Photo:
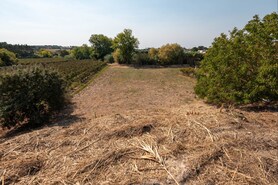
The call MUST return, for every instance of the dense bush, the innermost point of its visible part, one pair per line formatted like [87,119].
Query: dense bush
[63,53]
[189,71]
[29,96]
[242,68]
[43,53]
[117,57]
[153,55]
[7,58]
[141,59]
[171,54]
[193,58]
[109,59]
[82,52]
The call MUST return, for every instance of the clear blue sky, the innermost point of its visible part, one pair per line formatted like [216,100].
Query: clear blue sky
[154,22]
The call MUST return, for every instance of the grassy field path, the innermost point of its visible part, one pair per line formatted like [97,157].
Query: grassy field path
[122,89]
[145,126]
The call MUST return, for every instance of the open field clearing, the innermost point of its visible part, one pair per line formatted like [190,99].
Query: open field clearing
[145,126]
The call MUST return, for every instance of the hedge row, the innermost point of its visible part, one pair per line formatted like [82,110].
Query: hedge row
[30,96]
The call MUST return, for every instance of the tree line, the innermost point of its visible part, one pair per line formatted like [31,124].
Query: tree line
[40,51]
[123,49]
[21,51]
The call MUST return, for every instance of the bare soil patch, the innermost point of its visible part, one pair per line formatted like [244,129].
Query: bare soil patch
[144,126]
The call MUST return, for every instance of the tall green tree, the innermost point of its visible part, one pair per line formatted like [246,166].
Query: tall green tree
[125,44]
[102,45]
[242,67]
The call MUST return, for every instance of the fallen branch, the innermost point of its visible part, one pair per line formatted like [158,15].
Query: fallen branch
[155,157]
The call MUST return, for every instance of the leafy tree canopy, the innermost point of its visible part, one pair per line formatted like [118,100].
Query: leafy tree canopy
[82,52]
[171,54]
[242,67]
[102,45]
[126,44]
[153,54]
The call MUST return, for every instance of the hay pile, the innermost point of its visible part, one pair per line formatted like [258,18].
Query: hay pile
[193,144]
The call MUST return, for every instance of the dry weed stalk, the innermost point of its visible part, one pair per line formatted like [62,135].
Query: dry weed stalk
[154,156]
[208,131]
[170,133]
[3,180]
[3,177]
[235,172]
[135,168]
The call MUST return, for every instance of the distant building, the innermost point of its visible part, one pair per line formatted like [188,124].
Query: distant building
[202,51]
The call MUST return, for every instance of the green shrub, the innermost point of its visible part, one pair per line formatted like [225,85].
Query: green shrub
[193,58]
[29,95]
[63,53]
[153,55]
[117,57]
[171,54]
[43,53]
[7,58]
[242,68]
[69,57]
[190,71]
[82,52]
[141,59]
[109,59]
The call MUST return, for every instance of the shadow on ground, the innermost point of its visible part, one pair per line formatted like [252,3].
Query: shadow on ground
[261,107]
[64,118]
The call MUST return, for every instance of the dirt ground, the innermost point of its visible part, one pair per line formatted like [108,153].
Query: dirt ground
[145,126]
[123,89]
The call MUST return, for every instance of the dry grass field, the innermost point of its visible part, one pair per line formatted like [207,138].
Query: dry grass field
[145,126]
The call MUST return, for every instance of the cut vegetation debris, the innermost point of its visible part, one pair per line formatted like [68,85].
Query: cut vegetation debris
[144,126]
